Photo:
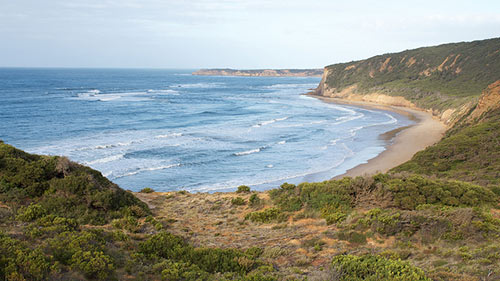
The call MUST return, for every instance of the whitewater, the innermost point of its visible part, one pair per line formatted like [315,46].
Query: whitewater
[169,130]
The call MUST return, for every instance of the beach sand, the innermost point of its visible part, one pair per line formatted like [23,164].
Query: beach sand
[406,141]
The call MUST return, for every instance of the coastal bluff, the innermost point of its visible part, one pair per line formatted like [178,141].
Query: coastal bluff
[445,80]
[261,72]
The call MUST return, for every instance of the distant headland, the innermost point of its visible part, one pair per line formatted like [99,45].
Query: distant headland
[261,72]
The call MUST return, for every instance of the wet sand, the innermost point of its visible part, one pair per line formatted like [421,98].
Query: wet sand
[403,142]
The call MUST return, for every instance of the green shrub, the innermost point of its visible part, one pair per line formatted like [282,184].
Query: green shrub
[212,260]
[254,200]
[336,217]
[165,245]
[181,271]
[266,216]
[64,245]
[31,213]
[374,268]
[243,189]
[94,264]
[314,196]
[238,201]
[128,223]
[411,191]
[18,262]
[353,237]
[147,190]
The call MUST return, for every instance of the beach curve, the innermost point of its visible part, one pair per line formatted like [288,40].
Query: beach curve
[405,142]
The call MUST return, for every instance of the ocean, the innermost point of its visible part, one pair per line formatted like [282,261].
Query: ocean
[170,130]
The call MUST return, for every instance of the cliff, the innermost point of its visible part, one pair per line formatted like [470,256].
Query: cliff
[261,72]
[489,101]
[446,80]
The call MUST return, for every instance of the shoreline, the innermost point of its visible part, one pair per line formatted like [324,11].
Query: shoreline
[402,143]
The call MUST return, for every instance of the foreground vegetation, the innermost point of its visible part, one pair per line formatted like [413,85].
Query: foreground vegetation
[64,221]
[436,217]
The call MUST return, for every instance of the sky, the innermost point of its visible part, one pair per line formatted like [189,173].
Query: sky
[245,34]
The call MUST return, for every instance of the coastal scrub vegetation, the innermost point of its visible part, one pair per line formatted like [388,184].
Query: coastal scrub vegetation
[106,233]
[63,221]
[438,77]
[35,186]
[374,268]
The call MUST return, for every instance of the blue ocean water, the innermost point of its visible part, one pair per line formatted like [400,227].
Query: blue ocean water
[169,130]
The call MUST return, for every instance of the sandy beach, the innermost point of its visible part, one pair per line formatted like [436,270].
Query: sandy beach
[404,142]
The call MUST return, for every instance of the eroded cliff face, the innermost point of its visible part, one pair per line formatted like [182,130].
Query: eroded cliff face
[489,101]
[445,80]
[352,93]
[262,72]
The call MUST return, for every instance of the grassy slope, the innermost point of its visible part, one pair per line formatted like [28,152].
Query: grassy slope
[439,77]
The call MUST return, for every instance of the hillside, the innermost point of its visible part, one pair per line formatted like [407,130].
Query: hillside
[63,221]
[261,72]
[436,217]
[470,151]
[446,79]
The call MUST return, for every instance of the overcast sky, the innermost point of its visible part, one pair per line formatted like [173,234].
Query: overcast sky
[236,34]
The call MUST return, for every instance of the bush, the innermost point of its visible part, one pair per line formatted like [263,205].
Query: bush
[266,216]
[411,191]
[147,190]
[128,223]
[243,189]
[182,271]
[254,200]
[31,213]
[18,262]
[94,264]
[336,217]
[374,268]
[238,201]
[353,237]
[63,246]
[212,260]
[165,245]
[314,196]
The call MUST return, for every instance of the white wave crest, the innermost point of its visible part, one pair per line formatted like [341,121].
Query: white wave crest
[264,123]
[344,119]
[105,146]
[333,142]
[200,85]
[164,92]
[105,159]
[172,135]
[96,95]
[247,152]
[141,170]
[281,142]
[287,86]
